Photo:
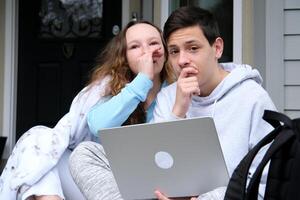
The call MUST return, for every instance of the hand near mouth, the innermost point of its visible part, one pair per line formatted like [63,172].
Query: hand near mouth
[187,86]
[147,60]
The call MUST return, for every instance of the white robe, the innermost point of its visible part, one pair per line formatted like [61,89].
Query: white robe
[39,149]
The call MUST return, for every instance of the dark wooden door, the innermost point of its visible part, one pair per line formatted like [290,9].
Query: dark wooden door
[58,44]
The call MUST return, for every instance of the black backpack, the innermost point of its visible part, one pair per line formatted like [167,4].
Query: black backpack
[283,180]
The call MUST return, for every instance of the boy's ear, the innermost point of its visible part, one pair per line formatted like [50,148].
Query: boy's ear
[218,46]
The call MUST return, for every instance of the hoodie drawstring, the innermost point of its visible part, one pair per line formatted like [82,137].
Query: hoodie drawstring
[214,108]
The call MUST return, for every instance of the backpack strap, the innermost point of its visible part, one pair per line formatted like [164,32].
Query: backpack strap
[237,184]
[274,118]
[285,136]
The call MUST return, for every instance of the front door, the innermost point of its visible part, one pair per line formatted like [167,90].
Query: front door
[58,44]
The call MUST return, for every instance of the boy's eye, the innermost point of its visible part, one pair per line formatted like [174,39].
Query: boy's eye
[173,51]
[193,48]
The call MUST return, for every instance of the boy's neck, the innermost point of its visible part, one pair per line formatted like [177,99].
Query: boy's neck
[218,77]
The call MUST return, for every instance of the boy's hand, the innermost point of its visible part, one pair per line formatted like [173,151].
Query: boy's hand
[161,196]
[187,85]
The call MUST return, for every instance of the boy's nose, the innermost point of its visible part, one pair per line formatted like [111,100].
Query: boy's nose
[183,60]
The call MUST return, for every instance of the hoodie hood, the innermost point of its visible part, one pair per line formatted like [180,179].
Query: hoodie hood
[238,74]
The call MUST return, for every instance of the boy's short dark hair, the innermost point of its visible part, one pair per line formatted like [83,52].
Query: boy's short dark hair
[184,17]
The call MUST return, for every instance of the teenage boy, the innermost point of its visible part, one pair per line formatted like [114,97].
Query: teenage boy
[230,93]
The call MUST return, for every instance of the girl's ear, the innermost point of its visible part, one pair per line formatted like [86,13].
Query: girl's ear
[218,46]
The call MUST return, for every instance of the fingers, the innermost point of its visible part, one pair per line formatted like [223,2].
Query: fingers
[188,81]
[157,53]
[187,85]
[189,89]
[151,55]
[154,52]
[160,196]
[146,64]
[148,59]
[187,72]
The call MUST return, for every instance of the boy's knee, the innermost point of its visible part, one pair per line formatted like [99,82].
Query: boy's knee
[83,148]
[78,155]
[86,156]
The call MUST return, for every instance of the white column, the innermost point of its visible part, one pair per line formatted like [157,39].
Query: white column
[164,12]
[10,74]
[237,31]
[275,51]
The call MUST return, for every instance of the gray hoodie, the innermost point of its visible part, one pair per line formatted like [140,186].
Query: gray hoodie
[236,105]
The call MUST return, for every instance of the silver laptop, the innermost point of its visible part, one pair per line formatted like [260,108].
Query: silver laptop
[180,158]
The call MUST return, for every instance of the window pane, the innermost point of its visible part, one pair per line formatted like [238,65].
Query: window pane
[70,18]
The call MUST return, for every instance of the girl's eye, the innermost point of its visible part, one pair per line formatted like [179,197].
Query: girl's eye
[133,47]
[154,43]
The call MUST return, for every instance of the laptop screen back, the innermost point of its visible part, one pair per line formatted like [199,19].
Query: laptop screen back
[180,158]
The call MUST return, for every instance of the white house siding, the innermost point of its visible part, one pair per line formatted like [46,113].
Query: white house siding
[292,57]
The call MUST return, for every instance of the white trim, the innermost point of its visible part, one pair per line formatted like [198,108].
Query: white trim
[10,74]
[125,12]
[275,51]
[237,31]
[147,10]
[259,37]
[164,10]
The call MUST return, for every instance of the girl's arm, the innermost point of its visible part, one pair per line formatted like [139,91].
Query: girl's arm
[117,109]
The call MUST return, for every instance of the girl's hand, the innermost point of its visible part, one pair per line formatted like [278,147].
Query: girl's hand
[147,61]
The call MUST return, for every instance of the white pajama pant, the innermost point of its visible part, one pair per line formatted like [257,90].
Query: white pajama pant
[58,181]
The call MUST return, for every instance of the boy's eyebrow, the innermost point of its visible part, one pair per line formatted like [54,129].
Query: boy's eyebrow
[172,46]
[190,41]
[186,42]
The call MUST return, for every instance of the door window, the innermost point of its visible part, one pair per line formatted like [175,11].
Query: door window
[70,19]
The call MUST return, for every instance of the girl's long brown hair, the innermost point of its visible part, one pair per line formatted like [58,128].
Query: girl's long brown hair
[112,61]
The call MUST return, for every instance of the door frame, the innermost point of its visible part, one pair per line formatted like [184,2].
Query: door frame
[10,74]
